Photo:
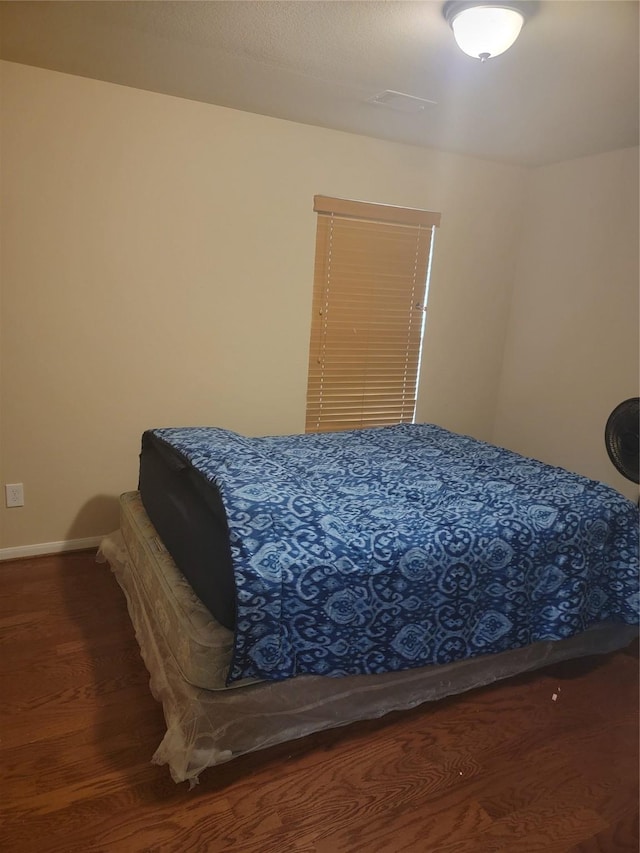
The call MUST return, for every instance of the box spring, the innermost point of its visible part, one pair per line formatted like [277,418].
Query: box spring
[181,644]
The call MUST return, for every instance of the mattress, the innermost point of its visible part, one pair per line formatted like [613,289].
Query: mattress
[190,518]
[199,645]
[376,550]
[182,645]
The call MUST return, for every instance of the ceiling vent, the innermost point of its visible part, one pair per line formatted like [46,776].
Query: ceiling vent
[401,102]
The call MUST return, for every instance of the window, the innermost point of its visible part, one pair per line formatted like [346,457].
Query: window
[370,281]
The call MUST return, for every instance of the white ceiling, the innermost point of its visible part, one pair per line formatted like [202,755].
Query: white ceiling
[568,87]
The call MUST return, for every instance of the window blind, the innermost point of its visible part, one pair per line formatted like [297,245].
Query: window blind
[368,310]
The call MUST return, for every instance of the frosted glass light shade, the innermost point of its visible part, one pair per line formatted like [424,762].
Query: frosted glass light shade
[486,31]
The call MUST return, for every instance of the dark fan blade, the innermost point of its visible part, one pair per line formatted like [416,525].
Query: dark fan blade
[622,438]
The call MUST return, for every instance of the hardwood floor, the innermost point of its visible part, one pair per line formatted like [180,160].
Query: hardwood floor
[504,768]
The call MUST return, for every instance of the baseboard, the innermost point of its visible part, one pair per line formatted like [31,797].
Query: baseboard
[49,548]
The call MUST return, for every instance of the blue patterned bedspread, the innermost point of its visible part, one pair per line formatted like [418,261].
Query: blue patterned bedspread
[384,549]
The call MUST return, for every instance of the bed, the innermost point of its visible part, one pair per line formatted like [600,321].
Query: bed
[287,584]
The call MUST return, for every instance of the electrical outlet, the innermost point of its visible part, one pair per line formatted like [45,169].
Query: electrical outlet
[14,494]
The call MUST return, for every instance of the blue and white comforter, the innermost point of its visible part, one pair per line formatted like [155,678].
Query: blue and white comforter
[383,549]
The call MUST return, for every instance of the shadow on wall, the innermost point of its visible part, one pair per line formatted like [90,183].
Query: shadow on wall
[100,515]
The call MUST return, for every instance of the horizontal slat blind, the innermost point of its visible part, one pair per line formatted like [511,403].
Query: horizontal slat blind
[369,287]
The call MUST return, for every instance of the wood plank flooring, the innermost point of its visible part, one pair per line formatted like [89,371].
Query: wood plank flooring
[504,769]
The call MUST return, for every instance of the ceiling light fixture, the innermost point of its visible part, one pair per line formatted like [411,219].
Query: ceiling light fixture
[486,29]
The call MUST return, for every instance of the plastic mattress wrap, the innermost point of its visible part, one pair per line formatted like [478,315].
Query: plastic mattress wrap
[206,728]
[199,644]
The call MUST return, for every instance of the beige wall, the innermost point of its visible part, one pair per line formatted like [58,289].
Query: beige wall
[157,260]
[572,347]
